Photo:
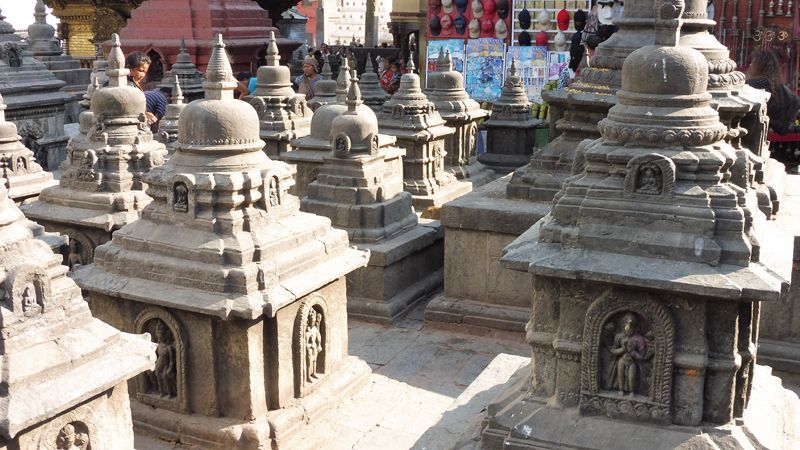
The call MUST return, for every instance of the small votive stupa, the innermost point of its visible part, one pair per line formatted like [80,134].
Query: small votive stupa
[646,288]
[168,127]
[283,113]
[420,130]
[101,187]
[510,133]
[360,188]
[22,176]
[190,79]
[372,94]
[47,49]
[245,294]
[65,372]
[446,91]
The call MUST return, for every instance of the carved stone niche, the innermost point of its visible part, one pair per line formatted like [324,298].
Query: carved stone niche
[180,198]
[70,432]
[648,176]
[81,248]
[341,146]
[274,191]
[310,345]
[26,290]
[627,359]
[165,385]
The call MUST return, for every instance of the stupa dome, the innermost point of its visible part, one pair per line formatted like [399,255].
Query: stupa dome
[118,99]
[355,131]
[678,70]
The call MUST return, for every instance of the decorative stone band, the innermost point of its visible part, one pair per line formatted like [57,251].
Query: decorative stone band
[723,66]
[630,408]
[716,80]
[660,135]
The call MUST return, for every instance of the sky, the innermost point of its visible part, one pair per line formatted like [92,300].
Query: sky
[20,13]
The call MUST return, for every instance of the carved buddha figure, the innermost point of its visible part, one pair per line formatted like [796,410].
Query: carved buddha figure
[629,349]
[163,377]
[313,343]
[180,200]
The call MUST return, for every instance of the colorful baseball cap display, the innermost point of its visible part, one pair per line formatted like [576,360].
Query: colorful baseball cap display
[544,19]
[460,24]
[562,19]
[477,9]
[524,18]
[524,38]
[447,22]
[541,38]
[500,29]
[461,6]
[435,25]
[447,5]
[474,29]
[435,6]
[502,8]
[580,20]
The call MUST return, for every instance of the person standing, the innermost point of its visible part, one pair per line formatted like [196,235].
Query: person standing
[307,82]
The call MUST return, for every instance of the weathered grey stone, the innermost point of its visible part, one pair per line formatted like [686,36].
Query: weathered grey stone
[283,113]
[64,382]
[646,286]
[46,48]
[360,188]
[245,293]
[34,98]
[168,126]
[510,133]
[371,91]
[446,91]
[101,187]
[325,91]
[189,78]
[420,130]
[22,176]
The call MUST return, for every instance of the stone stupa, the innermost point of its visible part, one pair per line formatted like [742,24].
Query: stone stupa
[360,188]
[65,372]
[325,90]
[101,187]
[646,288]
[21,175]
[47,49]
[446,91]
[283,112]
[190,79]
[510,133]
[246,293]
[420,130]
[372,94]
[168,127]
[34,99]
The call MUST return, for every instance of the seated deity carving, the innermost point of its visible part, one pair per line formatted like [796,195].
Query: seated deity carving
[74,436]
[180,198]
[648,180]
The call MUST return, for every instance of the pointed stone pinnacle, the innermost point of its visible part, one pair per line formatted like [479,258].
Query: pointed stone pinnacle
[219,67]
[440,59]
[116,60]
[40,11]
[273,55]
[410,66]
[353,93]
[183,46]
[177,92]
[326,69]
[512,71]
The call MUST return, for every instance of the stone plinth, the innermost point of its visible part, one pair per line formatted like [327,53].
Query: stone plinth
[510,133]
[22,176]
[189,78]
[360,188]
[283,113]
[245,293]
[446,91]
[101,187]
[34,99]
[46,48]
[647,287]
[164,25]
[420,130]
[65,383]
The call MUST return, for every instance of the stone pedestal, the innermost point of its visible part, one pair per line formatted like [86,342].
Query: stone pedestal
[360,188]
[283,113]
[245,293]
[35,101]
[420,130]
[510,133]
[65,378]
[101,187]
[22,176]
[647,287]
[446,91]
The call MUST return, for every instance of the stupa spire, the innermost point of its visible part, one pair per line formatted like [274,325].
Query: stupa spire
[273,56]
[353,93]
[40,11]
[219,83]
[116,71]
[326,69]
[177,92]
[343,81]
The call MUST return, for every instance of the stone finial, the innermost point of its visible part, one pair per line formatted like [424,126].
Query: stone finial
[370,62]
[40,11]
[177,92]
[343,81]
[116,71]
[273,56]
[5,27]
[353,93]
[447,63]
[668,22]
[512,71]
[219,83]
[411,66]
[326,69]
[440,59]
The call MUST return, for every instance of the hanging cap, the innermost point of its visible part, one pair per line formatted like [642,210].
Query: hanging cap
[524,18]
[489,6]
[544,19]
[524,38]
[447,5]
[560,41]
[474,29]
[435,25]
[447,22]
[541,38]
[502,8]
[460,23]
[486,25]
[563,19]
[435,6]
[477,9]
[500,29]
[461,5]
[580,20]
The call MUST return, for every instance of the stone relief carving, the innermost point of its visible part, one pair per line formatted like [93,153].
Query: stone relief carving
[398,111]
[341,146]
[22,164]
[650,175]
[309,344]
[86,171]
[274,192]
[73,436]
[627,358]
[165,385]
[374,146]
[74,259]
[12,54]
[180,197]
[472,144]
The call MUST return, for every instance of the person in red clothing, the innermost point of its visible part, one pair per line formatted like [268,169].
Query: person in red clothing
[390,80]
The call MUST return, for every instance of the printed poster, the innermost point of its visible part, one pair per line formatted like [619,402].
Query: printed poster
[557,62]
[456,47]
[485,74]
[532,68]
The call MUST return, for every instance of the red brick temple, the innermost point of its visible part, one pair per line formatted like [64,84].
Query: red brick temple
[157,27]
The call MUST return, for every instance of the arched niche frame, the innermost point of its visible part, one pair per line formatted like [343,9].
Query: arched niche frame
[654,405]
[182,195]
[86,427]
[27,291]
[311,342]
[147,388]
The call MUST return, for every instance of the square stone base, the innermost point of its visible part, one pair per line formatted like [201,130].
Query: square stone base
[401,272]
[445,194]
[517,421]
[477,289]
[475,173]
